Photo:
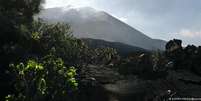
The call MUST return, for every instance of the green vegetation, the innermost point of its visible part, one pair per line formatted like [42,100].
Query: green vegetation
[45,62]
[35,81]
[40,61]
[56,39]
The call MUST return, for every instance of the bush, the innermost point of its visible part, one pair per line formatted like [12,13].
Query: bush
[103,55]
[159,61]
[45,79]
[57,39]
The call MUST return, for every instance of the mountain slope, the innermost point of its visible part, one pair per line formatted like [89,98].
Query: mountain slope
[89,23]
[122,49]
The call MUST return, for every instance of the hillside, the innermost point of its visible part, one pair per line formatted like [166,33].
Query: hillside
[89,23]
[122,49]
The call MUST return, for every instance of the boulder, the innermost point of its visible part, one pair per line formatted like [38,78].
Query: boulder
[173,45]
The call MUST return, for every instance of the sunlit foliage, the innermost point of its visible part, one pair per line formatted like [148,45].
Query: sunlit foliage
[39,80]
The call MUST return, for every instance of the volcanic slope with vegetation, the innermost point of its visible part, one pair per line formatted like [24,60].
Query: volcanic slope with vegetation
[44,62]
[40,61]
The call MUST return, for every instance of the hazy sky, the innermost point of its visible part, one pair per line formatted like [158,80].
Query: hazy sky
[162,19]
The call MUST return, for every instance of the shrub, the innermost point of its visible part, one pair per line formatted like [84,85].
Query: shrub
[57,39]
[45,79]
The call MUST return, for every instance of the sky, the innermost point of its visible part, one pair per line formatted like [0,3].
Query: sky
[159,19]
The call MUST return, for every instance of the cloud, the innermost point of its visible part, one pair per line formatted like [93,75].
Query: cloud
[190,34]
[155,18]
[63,3]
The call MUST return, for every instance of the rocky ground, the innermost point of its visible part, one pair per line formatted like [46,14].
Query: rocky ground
[104,83]
[176,84]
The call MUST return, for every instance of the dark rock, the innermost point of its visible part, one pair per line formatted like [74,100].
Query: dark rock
[187,58]
[186,83]
[128,90]
[173,45]
[169,65]
[181,83]
[190,50]
[100,74]
[174,52]
[93,79]
[176,84]
[181,71]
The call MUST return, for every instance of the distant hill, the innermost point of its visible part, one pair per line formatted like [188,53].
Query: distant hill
[122,49]
[87,22]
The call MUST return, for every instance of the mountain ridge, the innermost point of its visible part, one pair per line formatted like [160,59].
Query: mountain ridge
[87,22]
[122,49]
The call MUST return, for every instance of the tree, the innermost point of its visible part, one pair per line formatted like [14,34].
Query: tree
[15,17]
